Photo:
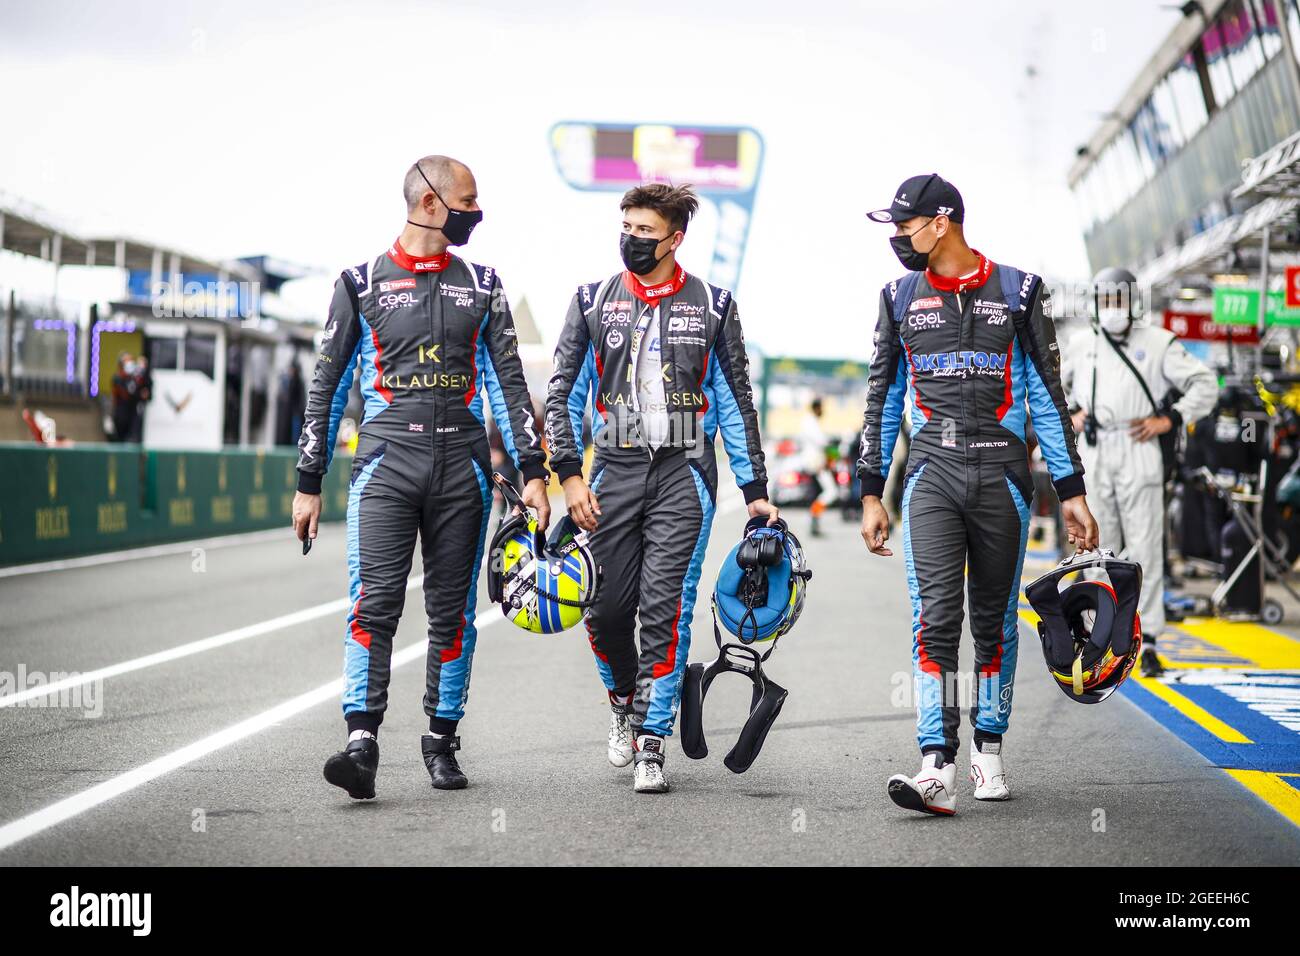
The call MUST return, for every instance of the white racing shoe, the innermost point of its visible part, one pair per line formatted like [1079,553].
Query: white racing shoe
[650,765]
[933,790]
[987,772]
[620,739]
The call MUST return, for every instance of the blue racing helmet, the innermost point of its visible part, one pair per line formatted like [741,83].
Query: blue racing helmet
[762,582]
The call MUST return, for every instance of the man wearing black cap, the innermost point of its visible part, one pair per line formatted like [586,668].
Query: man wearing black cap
[963,346]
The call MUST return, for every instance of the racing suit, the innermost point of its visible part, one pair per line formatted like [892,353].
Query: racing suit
[965,356]
[657,497]
[1127,476]
[432,336]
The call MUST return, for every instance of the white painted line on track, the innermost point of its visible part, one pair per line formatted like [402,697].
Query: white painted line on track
[185,650]
[63,810]
[152,551]
[77,804]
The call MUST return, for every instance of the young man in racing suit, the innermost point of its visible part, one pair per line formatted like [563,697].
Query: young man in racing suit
[966,344]
[660,356]
[433,333]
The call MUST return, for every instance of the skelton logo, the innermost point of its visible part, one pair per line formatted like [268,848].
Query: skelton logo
[396,284]
[396,300]
[929,302]
[955,361]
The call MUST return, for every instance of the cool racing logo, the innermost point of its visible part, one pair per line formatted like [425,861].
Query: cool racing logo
[925,320]
[959,363]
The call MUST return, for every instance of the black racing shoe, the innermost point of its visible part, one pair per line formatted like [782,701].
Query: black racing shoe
[1151,666]
[440,759]
[354,767]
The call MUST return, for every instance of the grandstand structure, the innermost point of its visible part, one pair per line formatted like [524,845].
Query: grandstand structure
[215,355]
[1193,179]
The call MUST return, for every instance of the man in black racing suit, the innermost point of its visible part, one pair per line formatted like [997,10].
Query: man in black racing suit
[965,346]
[660,357]
[433,335]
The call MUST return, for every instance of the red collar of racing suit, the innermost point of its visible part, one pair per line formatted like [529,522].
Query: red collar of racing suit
[415,264]
[962,283]
[651,295]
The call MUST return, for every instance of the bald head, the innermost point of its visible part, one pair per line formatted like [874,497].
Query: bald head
[442,173]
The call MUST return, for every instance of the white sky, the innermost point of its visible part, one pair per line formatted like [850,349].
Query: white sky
[240,128]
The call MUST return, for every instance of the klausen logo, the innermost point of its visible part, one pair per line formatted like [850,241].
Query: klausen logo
[395,381]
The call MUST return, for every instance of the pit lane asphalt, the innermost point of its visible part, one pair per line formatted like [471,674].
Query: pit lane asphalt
[541,791]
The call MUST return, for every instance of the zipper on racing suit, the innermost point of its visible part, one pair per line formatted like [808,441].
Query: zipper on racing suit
[969,404]
[638,339]
[436,439]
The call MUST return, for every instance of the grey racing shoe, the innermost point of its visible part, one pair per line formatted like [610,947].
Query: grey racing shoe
[620,731]
[650,765]
[354,768]
[440,759]
[933,790]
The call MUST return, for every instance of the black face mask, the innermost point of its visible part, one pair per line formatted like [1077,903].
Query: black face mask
[912,258]
[638,253]
[459,223]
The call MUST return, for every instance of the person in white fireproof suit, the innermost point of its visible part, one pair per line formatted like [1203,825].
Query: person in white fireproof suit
[1120,427]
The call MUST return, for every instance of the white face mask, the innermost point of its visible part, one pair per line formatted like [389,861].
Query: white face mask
[1114,321]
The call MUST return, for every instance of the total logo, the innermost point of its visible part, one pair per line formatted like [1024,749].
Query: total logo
[396,285]
[929,302]
[925,320]
[396,300]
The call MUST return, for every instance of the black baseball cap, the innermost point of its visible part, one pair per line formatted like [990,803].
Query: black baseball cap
[928,195]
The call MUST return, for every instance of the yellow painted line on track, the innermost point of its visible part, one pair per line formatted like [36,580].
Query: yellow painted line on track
[1265,648]
[1272,789]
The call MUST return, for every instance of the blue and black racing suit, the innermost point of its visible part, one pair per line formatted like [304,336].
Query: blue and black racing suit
[657,499]
[964,358]
[431,337]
